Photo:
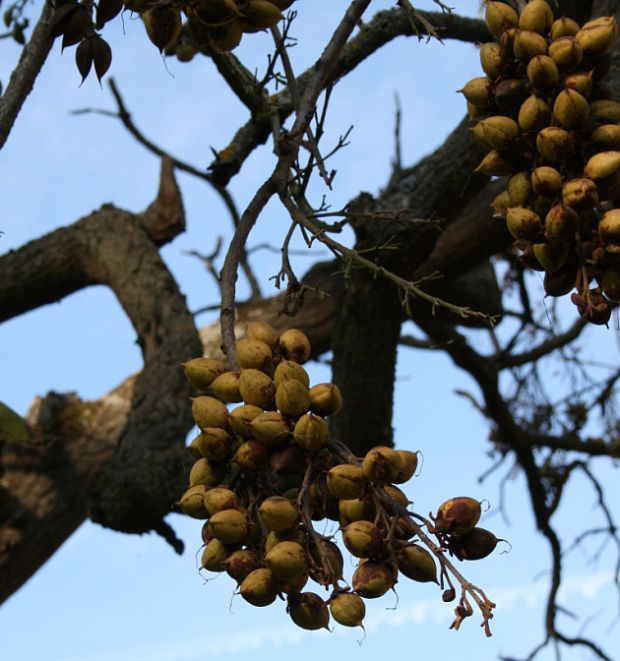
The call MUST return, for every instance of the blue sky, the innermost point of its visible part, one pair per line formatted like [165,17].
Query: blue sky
[107,596]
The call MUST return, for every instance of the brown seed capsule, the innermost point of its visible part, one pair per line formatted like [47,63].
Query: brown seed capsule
[457,515]
[500,132]
[262,14]
[277,513]
[417,564]
[534,114]
[163,25]
[226,387]
[310,432]
[520,188]
[327,563]
[308,611]
[229,526]
[270,428]
[598,36]
[551,255]
[561,282]
[289,460]
[214,556]
[602,165]
[500,17]
[214,443]
[561,223]
[257,330]
[478,91]
[256,387]
[325,399]
[593,306]
[474,111]
[220,498]
[524,224]
[254,354]
[542,72]
[200,372]
[580,193]
[294,345]
[225,38]
[606,136]
[564,27]
[571,109]
[546,181]
[292,398]
[346,481]
[528,44]
[605,110]
[373,579]
[241,418]
[348,609]
[216,12]
[554,144]
[495,165]
[209,412]
[474,545]
[289,369]
[206,472]
[286,560]
[398,495]
[609,228]
[259,588]
[382,464]
[510,93]
[192,502]
[566,52]
[295,534]
[501,203]
[610,283]
[409,465]
[581,81]
[239,564]
[362,539]
[491,59]
[355,509]
[251,456]
[536,16]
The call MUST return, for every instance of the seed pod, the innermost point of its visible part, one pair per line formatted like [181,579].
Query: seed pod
[474,545]
[610,283]
[520,188]
[194,449]
[214,443]
[286,560]
[554,144]
[606,136]
[581,81]
[500,132]
[398,495]
[564,27]
[382,464]
[200,372]
[491,59]
[163,25]
[509,93]
[346,481]
[457,515]
[581,193]
[592,306]
[373,579]
[256,388]
[254,354]
[534,114]
[542,205]
[226,387]
[270,428]
[295,534]
[417,564]
[561,223]
[294,345]
[214,556]
[258,330]
[289,369]
[206,472]
[261,14]
[362,539]
[551,255]
[229,526]
[192,502]
[524,224]
[327,565]
[478,91]
[602,165]
[478,133]
[239,564]
[308,611]
[495,165]
[185,52]
[536,16]
[562,281]
[598,36]
[409,465]
[310,432]
[241,418]
[220,498]
[348,609]
[277,513]
[355,509]
[605,110]
[500,17]
[209,412]
[251,456]
[473,111]
[216,12]
[225,38]
[571,109]
[501,203]
[259,588]
[528,44]
[542,72]
[325,399]
[292,398]
[566,52]
[546,181]
[609,228]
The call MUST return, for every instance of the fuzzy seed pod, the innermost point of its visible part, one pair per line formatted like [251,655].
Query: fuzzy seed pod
[192,502]
[308,611]
[292,398]
[220,498]
[229,526]
[561,223]
[214,556]
[362,539]
[554,144]
[277,513]
[251,456]
[417,564]
[542,72]
[546,181]
[325,399]
[602,165]
[294,345]
[500,17]
[239,564]
[256,388]
[571,109]
[457,515]
[254,354]
[286,560]
[474,545]
[566,52]
[310,432]
[491,59]
[564,27]
[200,372]
[528,44]
[209,412]
[373,579]
[226,387]
[534,114]
[552,255]
[382,464]
[580,194]
[206,472]
[241,418]
[478,91]
[348,609]
[524,224]
[259,588]
[214,443]
[270,428]
[536,16]
[346,481]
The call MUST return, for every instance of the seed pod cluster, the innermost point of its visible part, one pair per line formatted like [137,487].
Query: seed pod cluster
[546,120]
[264,472]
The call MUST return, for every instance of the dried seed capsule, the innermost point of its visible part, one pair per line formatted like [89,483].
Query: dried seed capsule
[254,354]
[520,188]
[295,534]
[348,609]
[474,545]
[571,109]
[478,91]
[501,203]
[542,72]
[226,387]
[214,556]
[163,25]
[270,428]
[606,136]
[581,193]
[224,38]
[534,114]
[206,472]
[277,513]
[409,465]
[500,132]
[251,456]
[554,144]
[605,110]
[310,432]
[417,564]
[581,81]
[216,12]
[294,345]
[355,509]
[256,387]
[257,330]
[308,611]
[564,27]
[609,228]
[200,372]
[292,398]
[602,165]
[346,481]
[261,14]
[536,16]
[500,17]
[552,255]
[528,44]
[214,443]
[289,369]
[287,560]
[220,498]
[561,282]
[362,539]
[566,52]
[229,526]
[593,306]
[610,283]
[457,515]
[239,564]
[241,418]
[259,588]
[491,59]
[325,399]
[546,181]
[561,223]
[510,93]
[373,579]
[209,412]
[495,165]
[524,224]
[192,502]
[382,464]
[598,36]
